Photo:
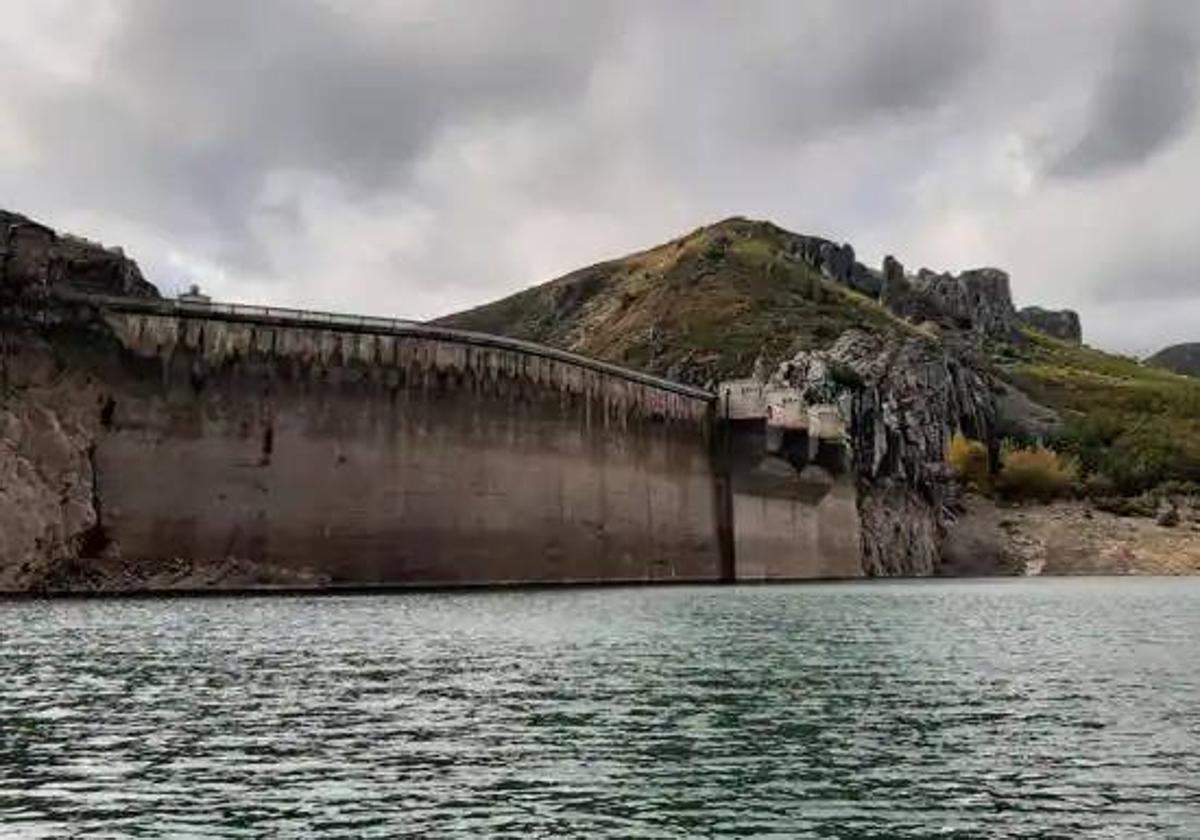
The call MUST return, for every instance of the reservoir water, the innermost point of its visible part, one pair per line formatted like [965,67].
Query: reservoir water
[1008,709]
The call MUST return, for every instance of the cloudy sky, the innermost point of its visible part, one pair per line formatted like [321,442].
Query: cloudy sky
[414,158]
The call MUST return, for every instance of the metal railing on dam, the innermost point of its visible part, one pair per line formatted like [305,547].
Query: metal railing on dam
[283,316]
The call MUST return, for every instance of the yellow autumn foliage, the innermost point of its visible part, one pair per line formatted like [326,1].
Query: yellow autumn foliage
[969,460]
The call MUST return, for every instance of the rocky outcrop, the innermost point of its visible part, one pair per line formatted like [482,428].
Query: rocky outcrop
[836,263]
[902,400]
[1180,358]
[1062,324]
[50,409]
[978,300]
[35,259]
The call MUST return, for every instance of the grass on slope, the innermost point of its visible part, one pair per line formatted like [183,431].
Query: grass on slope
[1136,426]
[699,308]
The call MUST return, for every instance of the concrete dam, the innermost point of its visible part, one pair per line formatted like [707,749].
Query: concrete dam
[372,451]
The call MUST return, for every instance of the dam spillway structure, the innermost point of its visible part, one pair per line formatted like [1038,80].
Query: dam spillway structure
[368,451]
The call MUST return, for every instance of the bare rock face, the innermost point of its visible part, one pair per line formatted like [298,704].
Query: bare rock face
[1021,418]
[1062,324]
[34,259]
[978,300]
[49,411]
[904,398]
[837,263]
[48,503]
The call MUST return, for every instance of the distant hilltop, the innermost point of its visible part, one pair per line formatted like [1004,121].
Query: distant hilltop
[1180,358]
[713,303]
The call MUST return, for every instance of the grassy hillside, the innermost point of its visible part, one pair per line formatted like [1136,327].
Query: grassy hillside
[705,306]
[699,308]
[1135,425]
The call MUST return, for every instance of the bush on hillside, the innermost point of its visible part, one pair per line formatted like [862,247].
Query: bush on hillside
[1129,506]
[1097,486]
[1035,474]
[969,460]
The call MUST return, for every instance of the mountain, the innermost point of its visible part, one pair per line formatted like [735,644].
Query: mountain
[740,297]
[699,308]
[1180,358]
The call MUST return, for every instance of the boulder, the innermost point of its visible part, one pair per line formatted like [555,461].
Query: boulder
[1018,416]
[1168,515]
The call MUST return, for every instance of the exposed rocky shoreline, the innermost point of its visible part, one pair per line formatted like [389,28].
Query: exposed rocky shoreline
[1068,538]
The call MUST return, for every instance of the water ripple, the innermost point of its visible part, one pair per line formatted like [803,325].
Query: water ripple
[1030,709]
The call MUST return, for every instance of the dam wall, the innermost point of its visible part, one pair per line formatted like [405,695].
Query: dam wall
[794,499]
[253,446]
[367,454]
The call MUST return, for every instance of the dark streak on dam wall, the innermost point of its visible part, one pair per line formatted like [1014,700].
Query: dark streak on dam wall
[368,458]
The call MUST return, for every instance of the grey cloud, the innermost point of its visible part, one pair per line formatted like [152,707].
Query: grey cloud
[418,157]
[1133,275]
[194,103]
[1149,95]
[913,55]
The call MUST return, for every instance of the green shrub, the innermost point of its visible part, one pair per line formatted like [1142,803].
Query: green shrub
[1143,505]
[1136,425]
[1098,486]
[714,251]
[969,460]
[1037,473]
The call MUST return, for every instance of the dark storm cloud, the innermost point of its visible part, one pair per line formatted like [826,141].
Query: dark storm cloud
[305,84]
[193,103]
[1149,95]
[414,157]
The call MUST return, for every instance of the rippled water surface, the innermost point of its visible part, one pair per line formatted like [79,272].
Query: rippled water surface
[1049,709]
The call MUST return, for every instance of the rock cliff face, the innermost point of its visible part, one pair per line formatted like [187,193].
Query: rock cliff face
[49,412]
[48,501]
[902,400]
[34,259]
[1062,324]
[50,408]
[978,300]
